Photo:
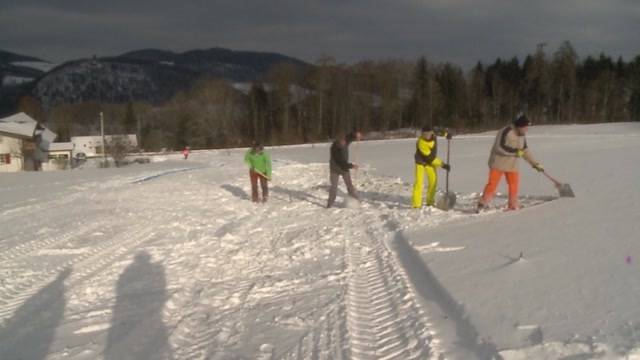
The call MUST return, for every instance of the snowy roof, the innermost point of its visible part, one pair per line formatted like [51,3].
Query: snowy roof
[20,124]
[61,146]
[23,126]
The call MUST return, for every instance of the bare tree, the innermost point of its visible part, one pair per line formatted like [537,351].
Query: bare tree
[118,148]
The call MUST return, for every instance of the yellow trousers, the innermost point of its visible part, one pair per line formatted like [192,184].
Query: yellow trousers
[432,177]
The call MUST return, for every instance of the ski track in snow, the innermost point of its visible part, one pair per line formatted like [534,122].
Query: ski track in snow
[338,291]
[383,320]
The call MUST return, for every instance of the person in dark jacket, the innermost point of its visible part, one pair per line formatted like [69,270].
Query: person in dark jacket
[339,165]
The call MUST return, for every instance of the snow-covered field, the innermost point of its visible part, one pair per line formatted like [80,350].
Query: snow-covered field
[171,260]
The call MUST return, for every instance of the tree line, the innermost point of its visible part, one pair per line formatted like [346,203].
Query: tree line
[295,104]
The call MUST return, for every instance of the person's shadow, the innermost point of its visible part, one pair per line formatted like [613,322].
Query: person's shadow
[137,330]
[299,195]
[236,191]
[29,333]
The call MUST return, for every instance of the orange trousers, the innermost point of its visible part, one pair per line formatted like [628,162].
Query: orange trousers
[513,182]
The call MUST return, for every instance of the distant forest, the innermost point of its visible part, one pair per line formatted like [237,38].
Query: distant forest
[294,104]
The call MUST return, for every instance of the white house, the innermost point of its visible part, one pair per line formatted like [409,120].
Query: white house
[60,155]
[23,143]
[10,153]
[91,146]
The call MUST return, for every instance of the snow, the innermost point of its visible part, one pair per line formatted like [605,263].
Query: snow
[38,65]
[12,80]
[171,259]
[19,124]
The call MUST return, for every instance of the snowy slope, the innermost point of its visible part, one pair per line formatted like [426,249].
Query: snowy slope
[171,259]
[38,65]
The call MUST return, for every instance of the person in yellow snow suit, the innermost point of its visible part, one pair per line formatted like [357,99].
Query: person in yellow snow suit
[426,161]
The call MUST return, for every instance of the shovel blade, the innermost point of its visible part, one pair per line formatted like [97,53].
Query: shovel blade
[447,202]
[565,190]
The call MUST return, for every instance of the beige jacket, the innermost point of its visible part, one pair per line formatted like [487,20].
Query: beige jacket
[505,148]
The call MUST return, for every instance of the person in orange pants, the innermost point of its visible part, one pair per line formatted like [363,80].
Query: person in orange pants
[510,144]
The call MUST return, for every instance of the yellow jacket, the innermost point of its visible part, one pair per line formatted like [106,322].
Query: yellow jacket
[427,152]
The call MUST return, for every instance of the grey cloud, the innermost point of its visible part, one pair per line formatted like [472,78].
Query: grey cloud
[461,31]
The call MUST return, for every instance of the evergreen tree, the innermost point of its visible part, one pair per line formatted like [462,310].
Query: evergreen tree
[130,122]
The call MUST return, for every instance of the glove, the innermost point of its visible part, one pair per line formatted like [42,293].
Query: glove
[538,167]
[446,167]
[449,135]
[519,153]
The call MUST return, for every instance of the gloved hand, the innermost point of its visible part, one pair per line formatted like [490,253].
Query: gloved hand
[519,153]
[449,136]
[446,167]
[538,167]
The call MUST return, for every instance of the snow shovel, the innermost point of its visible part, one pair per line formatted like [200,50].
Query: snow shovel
[564,190]
[447,202]
[261,174]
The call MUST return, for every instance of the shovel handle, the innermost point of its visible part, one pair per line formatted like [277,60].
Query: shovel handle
[556,182]
[261,174]
[447,175]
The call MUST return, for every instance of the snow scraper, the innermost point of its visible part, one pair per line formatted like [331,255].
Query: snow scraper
[448,201]
[564,190]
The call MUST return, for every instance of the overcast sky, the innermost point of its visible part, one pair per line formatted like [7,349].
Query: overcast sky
[460,31]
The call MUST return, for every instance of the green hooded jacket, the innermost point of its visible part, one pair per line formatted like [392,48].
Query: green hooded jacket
[260,161]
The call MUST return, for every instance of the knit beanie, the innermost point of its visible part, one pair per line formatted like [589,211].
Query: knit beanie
[521,121]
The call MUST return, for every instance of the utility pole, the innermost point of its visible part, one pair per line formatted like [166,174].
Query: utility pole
[96,65]
[104,144]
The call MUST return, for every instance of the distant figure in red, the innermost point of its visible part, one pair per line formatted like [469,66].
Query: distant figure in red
[185,152]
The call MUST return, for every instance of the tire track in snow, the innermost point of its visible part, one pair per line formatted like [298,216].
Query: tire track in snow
[182,309]
[383,319]
[376,316]
[26,248]
[206,329]
[200,312]
[41,203]
[164,173]
[216,322]
[326,340]
[89,263]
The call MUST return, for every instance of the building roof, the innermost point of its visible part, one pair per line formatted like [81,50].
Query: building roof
[19,125]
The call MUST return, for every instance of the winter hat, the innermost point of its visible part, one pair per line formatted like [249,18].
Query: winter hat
[427,128]
[521,121]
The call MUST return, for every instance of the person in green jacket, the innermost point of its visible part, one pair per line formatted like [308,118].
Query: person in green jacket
[259,162]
